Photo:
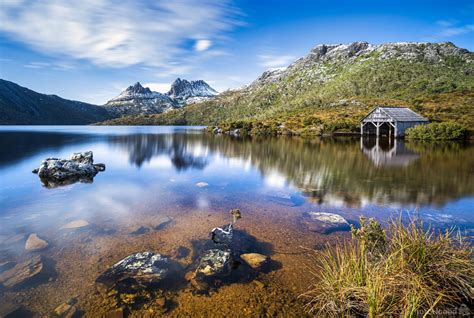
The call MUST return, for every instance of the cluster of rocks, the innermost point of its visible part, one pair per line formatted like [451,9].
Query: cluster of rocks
[233,132]
[34,268]
[80,167]
[219,261]
[144,277]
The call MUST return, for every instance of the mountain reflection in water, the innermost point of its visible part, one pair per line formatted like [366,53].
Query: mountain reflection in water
[143,147]
[351,171]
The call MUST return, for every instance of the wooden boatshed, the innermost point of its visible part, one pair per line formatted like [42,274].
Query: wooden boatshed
[390,121]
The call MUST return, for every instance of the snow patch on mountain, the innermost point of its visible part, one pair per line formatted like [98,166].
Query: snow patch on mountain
[136,100]
[139,100]
[184,91]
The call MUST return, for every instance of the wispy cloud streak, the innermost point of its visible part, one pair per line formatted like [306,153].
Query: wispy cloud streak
[116,33]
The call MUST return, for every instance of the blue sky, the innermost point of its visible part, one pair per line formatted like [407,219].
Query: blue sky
[90,50]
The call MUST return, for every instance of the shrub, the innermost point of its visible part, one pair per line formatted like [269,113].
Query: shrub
[437,131]
[411,273]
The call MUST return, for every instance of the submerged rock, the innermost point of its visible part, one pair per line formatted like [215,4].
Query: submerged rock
[34,243]
[138,230]
[65,310]
[254,260]
[323,222]
[22,272]
[160,222]
[75,225]
[214,262]
[142,268]
[80,167]
[202,184]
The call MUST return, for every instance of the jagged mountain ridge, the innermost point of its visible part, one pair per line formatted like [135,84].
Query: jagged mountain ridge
[334,85]
[139,100]
[316,64]
[22,106]
[191,91]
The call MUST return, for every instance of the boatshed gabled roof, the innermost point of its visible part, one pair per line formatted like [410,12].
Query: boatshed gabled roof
[398,114]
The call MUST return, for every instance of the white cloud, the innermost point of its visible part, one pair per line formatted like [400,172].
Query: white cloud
[158,87]
[57,66]
[116,33]
[37,65]
[449,28]
[202,45]
[456,30]
[272,61]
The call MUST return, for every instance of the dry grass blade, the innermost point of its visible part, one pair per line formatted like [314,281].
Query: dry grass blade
[413,272]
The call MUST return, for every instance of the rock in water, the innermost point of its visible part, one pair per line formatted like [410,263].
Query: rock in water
[223,235]
[160,222]
[202,184]
[80,167]
[22,272]
[143,268]
[214,262]
[138,230]
[323,222]
[65,310]
[75,225]
[254,260]
[34,243]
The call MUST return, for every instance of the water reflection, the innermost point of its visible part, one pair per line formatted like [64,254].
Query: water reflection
[180,148]
[339,172]
[387,152]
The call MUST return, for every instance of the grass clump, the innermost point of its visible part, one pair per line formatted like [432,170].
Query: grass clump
[437,131]
[412,272]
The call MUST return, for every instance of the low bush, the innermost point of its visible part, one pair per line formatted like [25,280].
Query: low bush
[437,131]
[411,272]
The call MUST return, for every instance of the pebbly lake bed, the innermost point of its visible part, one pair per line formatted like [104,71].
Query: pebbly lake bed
[165,188]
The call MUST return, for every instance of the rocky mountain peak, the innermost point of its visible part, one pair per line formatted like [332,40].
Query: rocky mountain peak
[184,89]
[137,88]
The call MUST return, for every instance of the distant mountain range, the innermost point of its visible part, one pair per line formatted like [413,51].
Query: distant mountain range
[334,86]
[22,106]
[328,90]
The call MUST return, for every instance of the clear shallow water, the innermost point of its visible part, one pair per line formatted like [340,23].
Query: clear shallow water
[153,171]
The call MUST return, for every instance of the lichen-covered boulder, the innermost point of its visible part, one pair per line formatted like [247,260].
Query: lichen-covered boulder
[80,167]
[140,268]
[214,262]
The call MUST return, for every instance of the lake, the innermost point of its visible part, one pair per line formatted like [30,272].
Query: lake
[165,188]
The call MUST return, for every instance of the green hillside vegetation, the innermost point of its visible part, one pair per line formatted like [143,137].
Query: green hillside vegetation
[326,95]
[437,131]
